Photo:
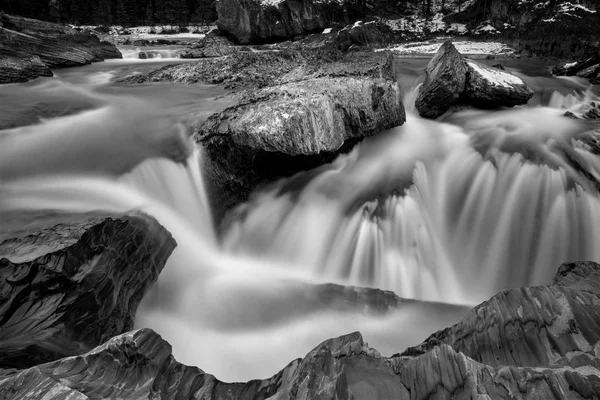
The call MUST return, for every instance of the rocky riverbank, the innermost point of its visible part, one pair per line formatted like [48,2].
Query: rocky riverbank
[71,282]
[30,48]
[529,343]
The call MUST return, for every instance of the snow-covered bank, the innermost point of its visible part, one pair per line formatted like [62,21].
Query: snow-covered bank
[464,47]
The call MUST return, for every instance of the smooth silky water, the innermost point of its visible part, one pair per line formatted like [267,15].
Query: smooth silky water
[450,211]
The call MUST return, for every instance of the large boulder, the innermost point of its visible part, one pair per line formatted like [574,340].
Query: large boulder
[489,87]
[530,345]
[258,21]
[29,48]
[451,79]
[316,112]
[446,76]
[71,282]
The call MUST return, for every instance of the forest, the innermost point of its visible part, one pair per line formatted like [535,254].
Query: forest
[115,12]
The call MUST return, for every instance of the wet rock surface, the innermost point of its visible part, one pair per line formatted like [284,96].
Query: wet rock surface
[452,80]
[29,48]
[509,347]
[70,285]
[313,113]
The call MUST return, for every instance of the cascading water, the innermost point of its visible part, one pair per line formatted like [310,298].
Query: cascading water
[472,215]
[451,211]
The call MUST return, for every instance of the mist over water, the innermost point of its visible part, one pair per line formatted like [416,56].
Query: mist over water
[450,211]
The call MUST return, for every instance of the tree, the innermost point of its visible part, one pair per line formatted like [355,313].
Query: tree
[121,14]
[101,12]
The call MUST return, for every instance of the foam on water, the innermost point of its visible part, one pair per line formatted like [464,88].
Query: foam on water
[451,211]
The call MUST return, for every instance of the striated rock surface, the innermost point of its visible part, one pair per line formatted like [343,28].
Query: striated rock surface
[69,286]
[139,364]
[29,48]
[258,21]
[492,87]
[544,327]
[451,79]
[445,81]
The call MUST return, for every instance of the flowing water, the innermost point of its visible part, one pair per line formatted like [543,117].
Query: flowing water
[450,211]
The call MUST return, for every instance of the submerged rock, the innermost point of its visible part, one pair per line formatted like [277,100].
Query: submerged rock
[451,79]
[70,286]
[445,81]
[512,340]
[29,48]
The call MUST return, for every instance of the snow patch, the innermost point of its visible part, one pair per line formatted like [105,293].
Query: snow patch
[463,47]
[495,76]
[326,31]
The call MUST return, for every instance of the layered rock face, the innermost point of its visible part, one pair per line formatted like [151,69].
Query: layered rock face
[534,343]
[257,21]
[29,48]
[451,79]
[71,286]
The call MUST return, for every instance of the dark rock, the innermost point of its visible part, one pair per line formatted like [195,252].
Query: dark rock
[141,42]
[256,21]
[588,68]
[24,41]
[213,46]
[364,34]
[139,364]
[214,32]
[491,87]
[70,286]
[445,81]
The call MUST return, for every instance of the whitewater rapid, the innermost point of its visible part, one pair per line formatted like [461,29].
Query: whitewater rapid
[450,211]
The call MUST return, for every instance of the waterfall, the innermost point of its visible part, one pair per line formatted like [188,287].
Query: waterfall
[482,205]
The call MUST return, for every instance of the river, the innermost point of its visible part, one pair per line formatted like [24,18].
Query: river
[449,211]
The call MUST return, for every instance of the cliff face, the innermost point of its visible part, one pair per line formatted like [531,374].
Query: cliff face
[29,48]
[256,21]
[534,343]
[71,286]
